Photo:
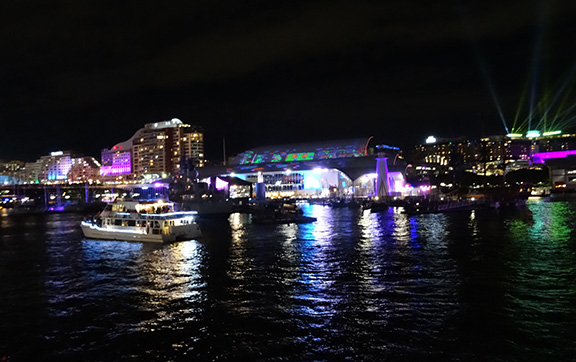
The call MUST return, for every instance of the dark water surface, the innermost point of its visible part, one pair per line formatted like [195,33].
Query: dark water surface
[469,286]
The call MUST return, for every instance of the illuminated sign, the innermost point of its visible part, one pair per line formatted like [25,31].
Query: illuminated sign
[533,134]
[551,133]
[56,153]
[431,139]
[514,135]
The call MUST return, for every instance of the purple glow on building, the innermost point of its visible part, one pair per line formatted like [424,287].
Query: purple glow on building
[115,162]
[542,156]
[115,170]
[220,184]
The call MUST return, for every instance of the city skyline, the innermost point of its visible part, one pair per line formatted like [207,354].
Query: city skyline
[258,73]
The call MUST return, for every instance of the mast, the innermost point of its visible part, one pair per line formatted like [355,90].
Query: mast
[224,149]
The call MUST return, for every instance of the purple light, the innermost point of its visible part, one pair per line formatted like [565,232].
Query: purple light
[221,184]
[382,162]
[541,156]
[115,169]
[117,163]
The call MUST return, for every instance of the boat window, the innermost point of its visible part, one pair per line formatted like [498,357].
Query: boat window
[156,224]
[131,222]
[117,222]
[119,208]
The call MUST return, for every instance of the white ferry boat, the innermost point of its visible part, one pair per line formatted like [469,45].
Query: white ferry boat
[154,221]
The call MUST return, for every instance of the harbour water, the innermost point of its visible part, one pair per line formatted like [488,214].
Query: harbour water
[486,285]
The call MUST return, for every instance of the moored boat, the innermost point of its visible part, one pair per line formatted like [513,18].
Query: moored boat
[133,220]
[435,206]
[279,213]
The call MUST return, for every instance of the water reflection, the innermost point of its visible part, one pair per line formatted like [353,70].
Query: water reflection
[316,272]
[484,285]
[541,283]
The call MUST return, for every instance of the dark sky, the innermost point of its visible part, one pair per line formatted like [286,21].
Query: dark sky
[85,75]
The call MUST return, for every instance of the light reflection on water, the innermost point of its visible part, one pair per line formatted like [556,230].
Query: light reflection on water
[493,285]
[541,283]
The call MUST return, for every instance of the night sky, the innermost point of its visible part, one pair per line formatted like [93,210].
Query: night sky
[85,75]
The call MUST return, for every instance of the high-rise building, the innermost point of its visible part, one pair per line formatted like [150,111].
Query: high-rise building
[84,169]
[116,161]
[156,150]
[60,167]
[55,167]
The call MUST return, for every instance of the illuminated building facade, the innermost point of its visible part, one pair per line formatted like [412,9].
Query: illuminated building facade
[58,168]
[55,167]
[191,146]
[487,155]
[116,161]
[149,152]
[460,151]
[154,151]
[31,172]
[12,172]
[84,169]
[491,155]
[329,169]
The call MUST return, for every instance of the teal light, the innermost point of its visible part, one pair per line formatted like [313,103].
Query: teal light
[533,134]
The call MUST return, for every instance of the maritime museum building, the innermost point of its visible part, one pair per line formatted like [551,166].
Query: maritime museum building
[343,168]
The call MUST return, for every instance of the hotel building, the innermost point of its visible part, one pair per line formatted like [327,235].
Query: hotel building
[58,167]
[154,151]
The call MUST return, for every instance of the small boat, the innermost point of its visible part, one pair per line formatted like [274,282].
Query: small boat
[134,220]
[432,207]
[279,213]
[375,206]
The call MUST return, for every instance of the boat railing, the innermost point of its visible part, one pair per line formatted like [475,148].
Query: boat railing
[171,215]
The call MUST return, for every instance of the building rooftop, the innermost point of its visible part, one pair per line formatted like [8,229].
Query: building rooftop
[313,151]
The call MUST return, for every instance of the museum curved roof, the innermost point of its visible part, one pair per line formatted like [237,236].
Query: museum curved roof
[313,151]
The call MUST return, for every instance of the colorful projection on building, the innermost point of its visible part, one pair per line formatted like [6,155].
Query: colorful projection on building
[304,156]
[246,157]
[258,159]
[353,148]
